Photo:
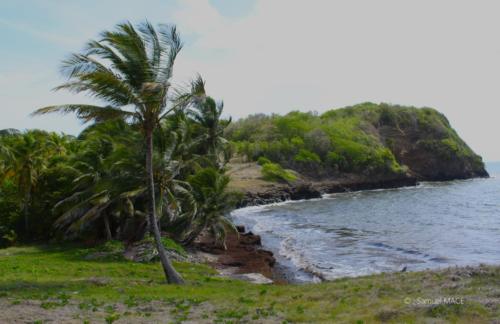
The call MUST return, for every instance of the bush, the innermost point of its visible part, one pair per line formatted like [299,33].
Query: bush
[111,246]
[170,244]
[307,156]
[274,172]
[8,237]
[336,160]
[263,160]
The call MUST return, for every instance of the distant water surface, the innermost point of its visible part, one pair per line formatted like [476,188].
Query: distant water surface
[432,225]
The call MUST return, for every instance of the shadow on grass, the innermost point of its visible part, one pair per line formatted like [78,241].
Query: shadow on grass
[69,252]
[35,290]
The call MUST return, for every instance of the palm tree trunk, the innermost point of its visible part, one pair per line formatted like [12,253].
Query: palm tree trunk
[109,237]
[171,274]
[26,210]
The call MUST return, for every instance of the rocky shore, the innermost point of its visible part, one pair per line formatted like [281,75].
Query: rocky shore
[243,257]
[315,189]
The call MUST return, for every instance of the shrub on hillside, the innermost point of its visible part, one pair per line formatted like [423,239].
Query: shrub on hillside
[263,160]
[307,156]
[274,172]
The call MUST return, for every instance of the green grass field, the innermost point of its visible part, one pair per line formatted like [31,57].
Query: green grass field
[41,284]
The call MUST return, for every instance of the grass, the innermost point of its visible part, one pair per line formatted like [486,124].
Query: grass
[60,279]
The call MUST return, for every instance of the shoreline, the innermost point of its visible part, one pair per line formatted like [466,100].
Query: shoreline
[317,190]
[255,258]
[303,190]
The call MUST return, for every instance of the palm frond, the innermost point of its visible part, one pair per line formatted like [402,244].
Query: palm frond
[88,217]
[154,47]
[86,112]
[169,38]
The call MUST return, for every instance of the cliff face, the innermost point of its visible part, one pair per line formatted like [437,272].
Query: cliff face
[424,141]
[366,141]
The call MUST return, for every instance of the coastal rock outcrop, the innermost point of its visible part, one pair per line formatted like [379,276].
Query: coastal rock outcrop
[300,191]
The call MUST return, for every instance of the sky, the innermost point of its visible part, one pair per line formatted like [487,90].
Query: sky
[263,56]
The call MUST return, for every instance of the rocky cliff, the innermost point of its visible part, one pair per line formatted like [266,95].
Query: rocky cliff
[424,141]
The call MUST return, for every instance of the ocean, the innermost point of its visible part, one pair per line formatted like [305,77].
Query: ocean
[432,225]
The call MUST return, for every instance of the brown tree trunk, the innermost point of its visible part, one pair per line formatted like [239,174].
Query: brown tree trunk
[171,274]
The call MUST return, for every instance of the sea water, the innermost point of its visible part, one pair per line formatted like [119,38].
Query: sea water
[432,225]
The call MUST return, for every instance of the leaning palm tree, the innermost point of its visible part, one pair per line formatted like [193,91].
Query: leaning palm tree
[130,69]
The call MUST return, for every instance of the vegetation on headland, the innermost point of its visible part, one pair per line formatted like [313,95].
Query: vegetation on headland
[367,139]
[60,284]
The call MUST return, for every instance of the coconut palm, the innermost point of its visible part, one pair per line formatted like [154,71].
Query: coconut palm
[28,159]
[206,113]
[6,154]
[175,198]
[130,69]
[5,159]
[102,188]
[214,205]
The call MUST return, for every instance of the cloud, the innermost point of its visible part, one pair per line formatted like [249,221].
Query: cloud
[318,55]
[315,55]
[40,34]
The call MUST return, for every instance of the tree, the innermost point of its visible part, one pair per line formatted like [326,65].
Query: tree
[215,204]
[206,112]
[6,154]
[130,69]
[106,185]
[28,159]
[5,158]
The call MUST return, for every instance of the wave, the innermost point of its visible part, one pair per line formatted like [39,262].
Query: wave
[296,256]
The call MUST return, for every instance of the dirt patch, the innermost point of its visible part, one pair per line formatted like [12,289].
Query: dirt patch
[247,177]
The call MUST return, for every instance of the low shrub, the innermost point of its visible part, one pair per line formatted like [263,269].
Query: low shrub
[307,156]
[274,172]
[263,160]
[170,244]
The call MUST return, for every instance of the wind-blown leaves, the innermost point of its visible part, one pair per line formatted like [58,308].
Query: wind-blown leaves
[87,113]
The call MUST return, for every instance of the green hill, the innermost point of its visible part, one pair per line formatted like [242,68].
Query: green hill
[366,139]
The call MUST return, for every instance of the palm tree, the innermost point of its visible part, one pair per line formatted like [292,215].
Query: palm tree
[206,113]
[6,155]
[175,199]
[214,205]
[102,189]
[29,155]
[130,69]
[5,158]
